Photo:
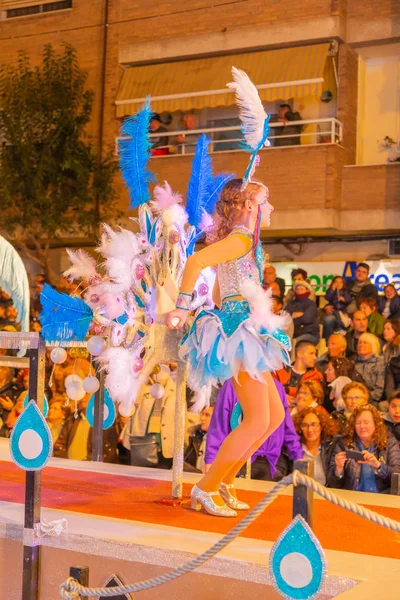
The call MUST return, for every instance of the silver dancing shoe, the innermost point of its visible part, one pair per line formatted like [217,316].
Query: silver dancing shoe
[204,499]
[231,500]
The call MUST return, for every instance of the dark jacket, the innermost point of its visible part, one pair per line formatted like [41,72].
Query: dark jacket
[394,306]
[352,343]
[372,372]
[282,286]
[289,129]
[392,381]
[367,291]
[332,297]
[192,451]
[68,431]
[308,322]
[389,459]
[393,428]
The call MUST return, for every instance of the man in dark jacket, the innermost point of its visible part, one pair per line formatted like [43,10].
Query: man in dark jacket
[360,326]
[287,117]
[360,288]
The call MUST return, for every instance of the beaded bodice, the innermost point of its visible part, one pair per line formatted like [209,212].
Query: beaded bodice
[232,274]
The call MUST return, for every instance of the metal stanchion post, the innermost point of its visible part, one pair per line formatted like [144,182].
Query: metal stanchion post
[302,496]
[179,432]
[97,446]
[30,574]
[80,574]
[395,487]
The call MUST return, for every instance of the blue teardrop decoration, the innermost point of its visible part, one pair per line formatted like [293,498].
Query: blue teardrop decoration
[31,443]
[45,404]
[109,410]
[297,562]
[236,416]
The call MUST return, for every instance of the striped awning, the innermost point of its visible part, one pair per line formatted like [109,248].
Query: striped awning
[194,84]
[11,4]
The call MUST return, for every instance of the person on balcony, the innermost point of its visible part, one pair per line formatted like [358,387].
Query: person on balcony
[287,117]
[159,144]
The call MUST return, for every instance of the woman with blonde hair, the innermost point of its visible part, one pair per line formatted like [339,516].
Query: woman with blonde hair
[243,341]
[365,457]
[370,366]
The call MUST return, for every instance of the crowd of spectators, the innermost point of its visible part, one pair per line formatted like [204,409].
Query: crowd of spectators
[342,405]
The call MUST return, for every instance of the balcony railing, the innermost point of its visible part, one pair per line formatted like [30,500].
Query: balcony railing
[226,139]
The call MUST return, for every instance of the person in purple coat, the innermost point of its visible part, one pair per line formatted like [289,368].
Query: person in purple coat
[265,459]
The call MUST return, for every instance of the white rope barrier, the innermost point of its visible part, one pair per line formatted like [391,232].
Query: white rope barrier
[72,590]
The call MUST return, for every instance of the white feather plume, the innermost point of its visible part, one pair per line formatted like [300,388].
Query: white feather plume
[175,215]
[251,110]
[201,399]
[120,378]
[260,302]
[118,244]
[164,198]
[83,265]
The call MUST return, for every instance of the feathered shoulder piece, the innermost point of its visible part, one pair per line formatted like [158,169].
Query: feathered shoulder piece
[64,318]
[135,154]
[254,119]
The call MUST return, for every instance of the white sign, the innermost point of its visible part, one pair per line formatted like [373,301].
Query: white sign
[322,273]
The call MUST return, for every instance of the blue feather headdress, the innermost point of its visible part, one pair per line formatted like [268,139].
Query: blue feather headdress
[64,318]
[254,119]
[135,154]
[203,190]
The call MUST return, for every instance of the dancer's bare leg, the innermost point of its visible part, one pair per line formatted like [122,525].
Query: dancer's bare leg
[277,415]
[259,420]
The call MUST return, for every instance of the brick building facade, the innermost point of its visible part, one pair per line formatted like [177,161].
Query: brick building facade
[315,188]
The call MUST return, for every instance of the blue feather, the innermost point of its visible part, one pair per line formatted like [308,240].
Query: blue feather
[199,183]
[63,317]
[14,281]
[135,155]
[215,188]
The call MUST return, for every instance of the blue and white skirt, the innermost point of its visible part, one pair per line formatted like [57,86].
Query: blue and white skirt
[221,343]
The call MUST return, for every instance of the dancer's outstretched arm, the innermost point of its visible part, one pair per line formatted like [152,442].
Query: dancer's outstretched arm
[230,248]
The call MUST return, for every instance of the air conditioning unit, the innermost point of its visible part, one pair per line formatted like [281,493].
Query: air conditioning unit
[394,247]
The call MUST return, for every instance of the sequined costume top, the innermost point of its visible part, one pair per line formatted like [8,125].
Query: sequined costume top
[233,273]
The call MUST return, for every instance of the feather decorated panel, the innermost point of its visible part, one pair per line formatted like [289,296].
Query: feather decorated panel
[135,155]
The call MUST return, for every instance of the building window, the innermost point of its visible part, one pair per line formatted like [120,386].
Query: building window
[38,9]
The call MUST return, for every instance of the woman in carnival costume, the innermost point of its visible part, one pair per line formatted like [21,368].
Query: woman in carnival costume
[242,341]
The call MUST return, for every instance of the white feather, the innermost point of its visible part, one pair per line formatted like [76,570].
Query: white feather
[201,399]
[175,215]
[260,302]
[251,110]
[123,243]
[120,379]
[83,266]
[164,198]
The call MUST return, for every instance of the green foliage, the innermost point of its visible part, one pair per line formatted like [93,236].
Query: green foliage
[52,183]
